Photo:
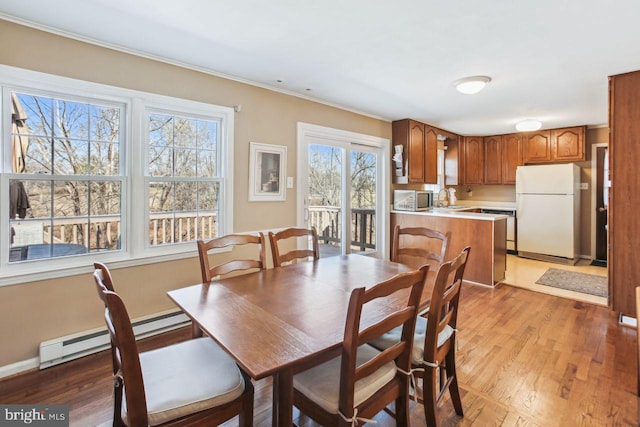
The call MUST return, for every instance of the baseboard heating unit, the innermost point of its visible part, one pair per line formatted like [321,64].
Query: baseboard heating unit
[70,347]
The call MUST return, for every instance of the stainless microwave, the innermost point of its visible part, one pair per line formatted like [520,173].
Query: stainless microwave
[412,200]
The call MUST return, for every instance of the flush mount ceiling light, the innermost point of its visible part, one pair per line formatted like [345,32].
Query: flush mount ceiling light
[471,85]
[528,125]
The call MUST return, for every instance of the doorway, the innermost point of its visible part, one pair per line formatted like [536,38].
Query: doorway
[341,189]
[600,202]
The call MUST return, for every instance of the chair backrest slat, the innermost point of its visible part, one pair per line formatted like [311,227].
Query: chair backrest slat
[280,259]
[210,271]
[416,246]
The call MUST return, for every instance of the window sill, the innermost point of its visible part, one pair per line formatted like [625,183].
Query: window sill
[83,264]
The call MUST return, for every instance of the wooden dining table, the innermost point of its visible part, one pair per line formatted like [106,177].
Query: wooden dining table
[281,321]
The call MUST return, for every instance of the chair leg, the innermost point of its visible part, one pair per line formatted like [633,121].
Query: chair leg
[117,403]
[453,385]
[430,395]
[245,417]
[402,408]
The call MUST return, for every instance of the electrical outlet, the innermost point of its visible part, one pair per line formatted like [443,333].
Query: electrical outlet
[584,185]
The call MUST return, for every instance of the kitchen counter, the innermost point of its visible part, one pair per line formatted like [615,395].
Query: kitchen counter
[462,212]
[485,233]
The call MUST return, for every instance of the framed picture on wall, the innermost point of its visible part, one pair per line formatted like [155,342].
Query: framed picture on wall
[267,171]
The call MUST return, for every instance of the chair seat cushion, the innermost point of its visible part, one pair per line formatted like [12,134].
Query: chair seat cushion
[186,378]
[393,336]
[322,383]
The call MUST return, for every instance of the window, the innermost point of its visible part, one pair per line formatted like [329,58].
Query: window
[95,172]
[183,180]
[65,190]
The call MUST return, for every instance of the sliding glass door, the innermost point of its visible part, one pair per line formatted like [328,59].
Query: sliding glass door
[341,191]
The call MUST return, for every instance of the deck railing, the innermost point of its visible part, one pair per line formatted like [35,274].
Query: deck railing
[327,221]
[102,232]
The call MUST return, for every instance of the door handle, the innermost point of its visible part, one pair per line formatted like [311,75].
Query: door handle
[602,209]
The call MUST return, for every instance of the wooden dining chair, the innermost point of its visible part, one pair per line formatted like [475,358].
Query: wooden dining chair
[364,381]
[416,246]
[105,275]
[279,259]
[210,271]
[433,356]
[189,383]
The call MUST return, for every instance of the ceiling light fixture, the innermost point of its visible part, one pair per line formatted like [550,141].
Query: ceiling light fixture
[528,125]
[471,85]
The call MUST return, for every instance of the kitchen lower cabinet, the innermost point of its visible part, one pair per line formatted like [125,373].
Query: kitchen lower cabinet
[487,237]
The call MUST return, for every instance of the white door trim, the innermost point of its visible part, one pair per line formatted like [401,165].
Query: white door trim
[307,130]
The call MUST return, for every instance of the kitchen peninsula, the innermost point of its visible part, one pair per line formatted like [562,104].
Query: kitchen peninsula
[485,233]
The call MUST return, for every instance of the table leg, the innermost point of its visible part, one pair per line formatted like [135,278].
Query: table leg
[283,399]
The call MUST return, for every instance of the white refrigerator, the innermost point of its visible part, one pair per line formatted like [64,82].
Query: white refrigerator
[548,210]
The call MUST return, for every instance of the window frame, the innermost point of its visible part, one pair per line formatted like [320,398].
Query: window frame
[135,249]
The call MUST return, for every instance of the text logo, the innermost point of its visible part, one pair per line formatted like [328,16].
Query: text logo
[34,415]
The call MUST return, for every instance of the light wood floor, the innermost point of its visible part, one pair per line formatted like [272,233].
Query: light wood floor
[523,273]
[524,359]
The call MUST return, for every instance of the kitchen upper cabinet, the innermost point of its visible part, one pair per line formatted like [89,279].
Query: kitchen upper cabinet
[511,157]
[430,155]
[537,147]
[420,151]
[473,160]
[568,144]
[555,145]
[416,152]
[493,159]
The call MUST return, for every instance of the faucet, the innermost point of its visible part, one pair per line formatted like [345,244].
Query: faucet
[443,201]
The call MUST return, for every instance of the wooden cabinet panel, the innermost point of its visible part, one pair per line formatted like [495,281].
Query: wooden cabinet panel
[537,147]
[416,152]
[493,159]
[555,145]
[568,144]
[511,157]
[473,160]
[430,155]
[420,151]
[453,163]
[624,200]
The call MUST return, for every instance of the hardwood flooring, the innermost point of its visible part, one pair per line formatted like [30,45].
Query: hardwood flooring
[524,359]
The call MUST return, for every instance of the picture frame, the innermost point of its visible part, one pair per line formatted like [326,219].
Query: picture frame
[267,172]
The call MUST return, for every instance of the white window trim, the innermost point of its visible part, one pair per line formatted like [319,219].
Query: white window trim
[134,250]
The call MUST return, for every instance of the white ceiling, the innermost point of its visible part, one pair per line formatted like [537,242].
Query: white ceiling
[548,59]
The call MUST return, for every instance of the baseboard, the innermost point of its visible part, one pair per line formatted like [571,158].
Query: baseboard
[627,321]
[144,327]
[548,258]
[19,367]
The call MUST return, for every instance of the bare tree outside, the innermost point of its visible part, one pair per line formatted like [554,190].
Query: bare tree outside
[182,155]
[325,187]
[78,142]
